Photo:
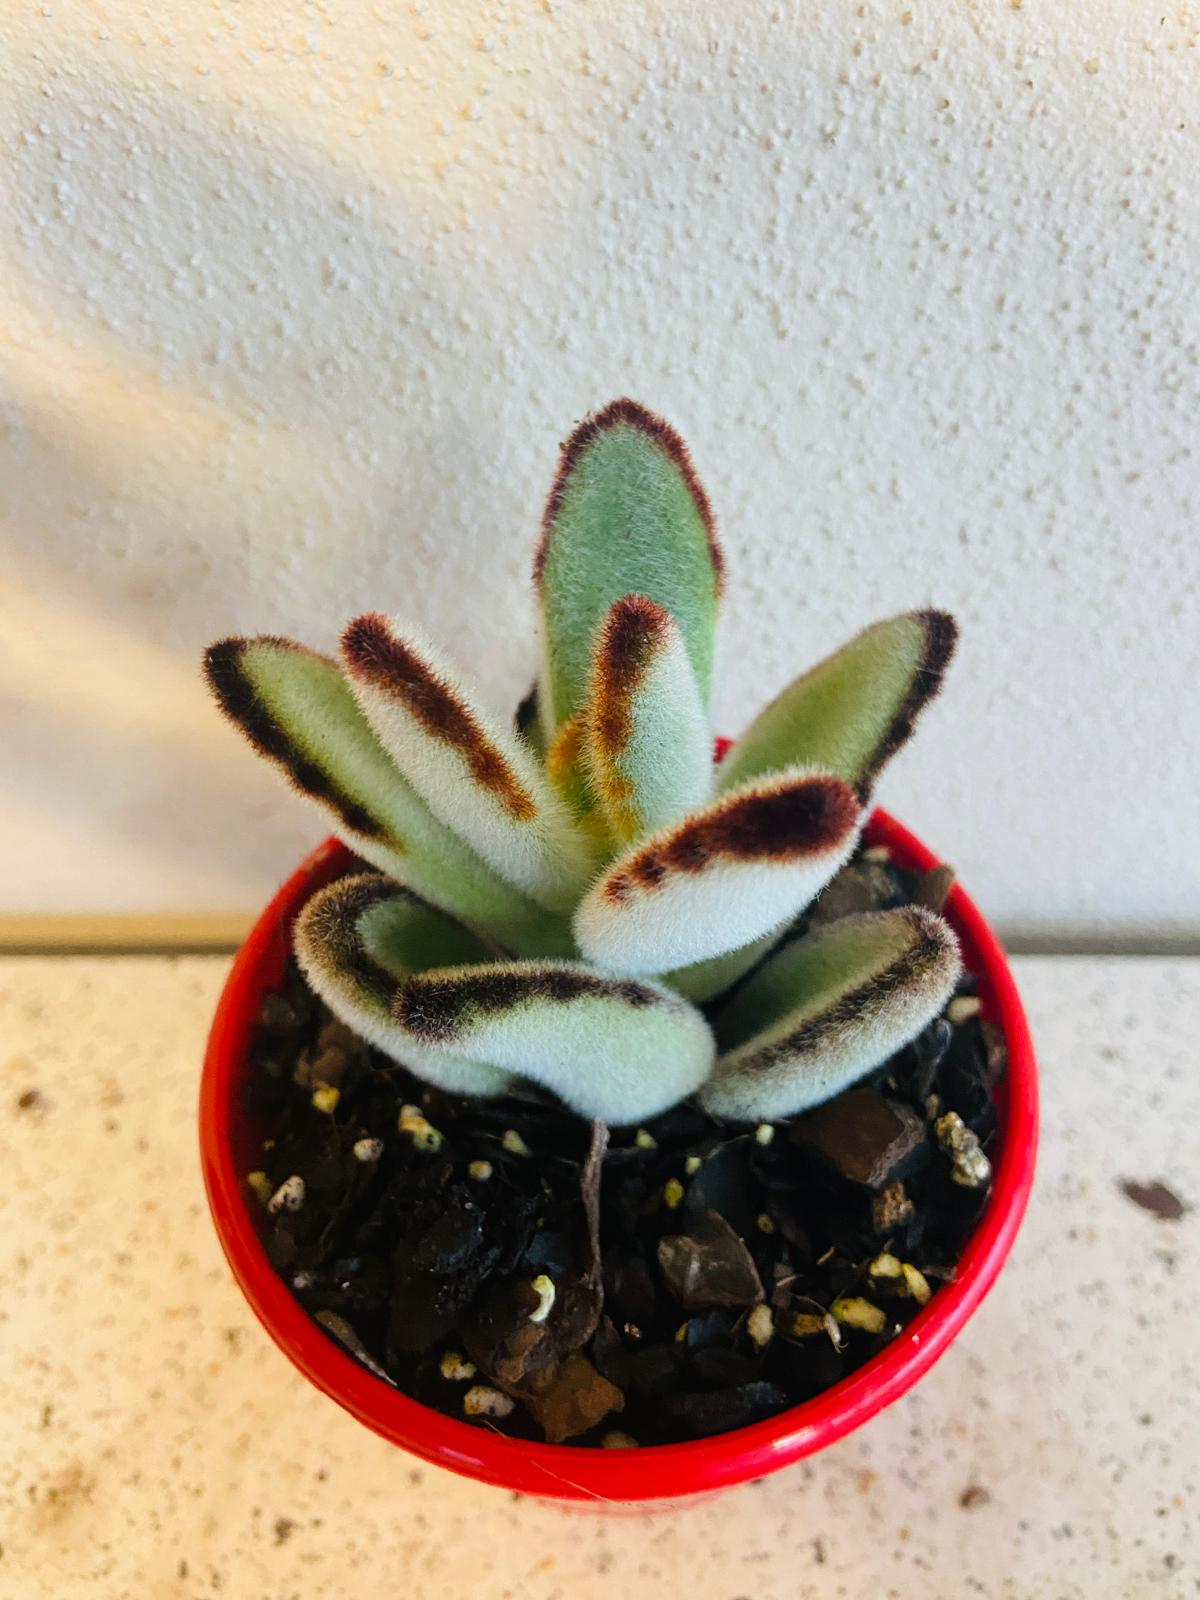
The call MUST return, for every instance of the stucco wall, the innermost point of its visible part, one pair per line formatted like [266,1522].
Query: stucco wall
[297,300]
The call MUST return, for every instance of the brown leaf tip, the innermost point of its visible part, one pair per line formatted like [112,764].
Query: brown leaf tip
[941,637]
[237,697]
[781,822]
[634,630]
[374,655]
[629,414]
[331,922]
[438,1010]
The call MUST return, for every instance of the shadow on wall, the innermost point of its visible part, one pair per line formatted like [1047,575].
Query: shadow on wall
[102,732]
[178,344]
[200,336]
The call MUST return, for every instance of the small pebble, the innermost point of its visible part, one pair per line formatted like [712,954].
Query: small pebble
[261,1185]
[325,1097]
[804,1324]
[481,1401]
[764,1223]
[760,1325]
[969,1166]
[877,852]
[615,1440]
[543,1287]
[303,1280]
[901,1275]
[288,1197]
[672,1193]
[916,1283]
[514,1144]
[886,1265]
[855,1312]
[891,1208]
[644,1140]
[368,1149]
[764,1133]
[1156,1197]
[422,1132]
[692,1165]
[481,1171]
[455,1368]
[962,1008]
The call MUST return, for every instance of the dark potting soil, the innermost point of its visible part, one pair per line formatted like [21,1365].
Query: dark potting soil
[509,1264]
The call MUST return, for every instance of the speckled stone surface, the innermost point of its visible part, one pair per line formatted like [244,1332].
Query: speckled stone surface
[154,1444]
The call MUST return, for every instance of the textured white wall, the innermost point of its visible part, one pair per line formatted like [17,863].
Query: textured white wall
[298,298]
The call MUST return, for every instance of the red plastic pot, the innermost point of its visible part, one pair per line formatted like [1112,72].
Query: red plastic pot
[604,1477]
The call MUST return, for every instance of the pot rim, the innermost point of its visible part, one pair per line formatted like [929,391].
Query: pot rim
[569,1472]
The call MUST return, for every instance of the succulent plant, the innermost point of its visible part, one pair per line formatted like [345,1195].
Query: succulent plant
[555,899]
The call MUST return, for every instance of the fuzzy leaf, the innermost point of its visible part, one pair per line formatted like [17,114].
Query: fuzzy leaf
[626,515]
[647,741]
[295,707]
[566,766]
[853,711]
[478,776]
[609,1047]
[356,940]
[828,1009]
[704,980]
[722,877]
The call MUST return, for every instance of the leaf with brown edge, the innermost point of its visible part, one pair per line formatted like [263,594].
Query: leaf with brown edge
[647,740]
[473,772]
[362,935]
[724,876]
[829,1008]
[626,515]
[611,1048]
[854,710]
[296,709]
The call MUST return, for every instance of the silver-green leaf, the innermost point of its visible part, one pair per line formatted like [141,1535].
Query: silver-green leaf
[854,710]
[704,980]
[357,940]
[473,772]
[613,1048]
[647,740]
[726,875]
[626,515]
[829,1008]
[296,708]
